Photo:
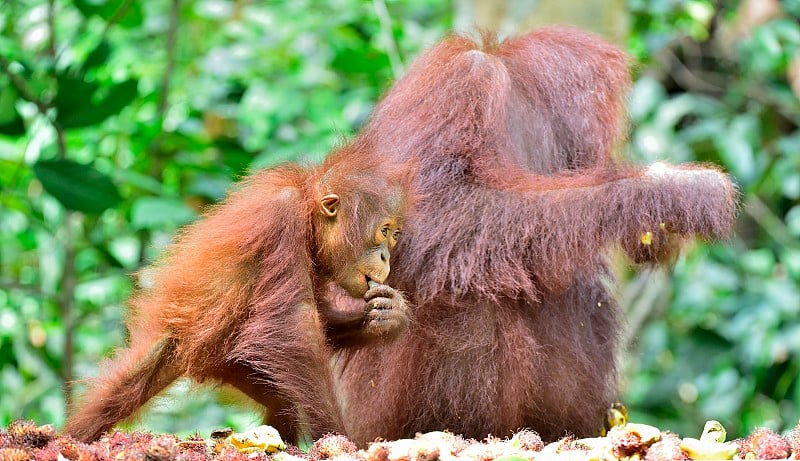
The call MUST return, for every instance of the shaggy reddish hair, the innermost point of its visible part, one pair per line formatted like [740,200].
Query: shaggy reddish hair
[521,196]
[235,299]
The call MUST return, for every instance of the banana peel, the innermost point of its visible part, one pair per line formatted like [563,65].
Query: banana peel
[259,439]
[708,449]
[713,431]
[648,434]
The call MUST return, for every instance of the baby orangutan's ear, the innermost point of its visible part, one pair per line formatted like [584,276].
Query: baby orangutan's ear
[329,205]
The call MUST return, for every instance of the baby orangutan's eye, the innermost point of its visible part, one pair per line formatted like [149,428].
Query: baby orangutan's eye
[385,231]
[396,235]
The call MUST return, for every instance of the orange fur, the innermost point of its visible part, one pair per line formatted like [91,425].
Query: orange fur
[521,195]
[235,299]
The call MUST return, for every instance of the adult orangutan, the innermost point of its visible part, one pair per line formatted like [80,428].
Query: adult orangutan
[237,299]
[520,197]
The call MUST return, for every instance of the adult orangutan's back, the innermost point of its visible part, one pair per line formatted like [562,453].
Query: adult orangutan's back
[503,262]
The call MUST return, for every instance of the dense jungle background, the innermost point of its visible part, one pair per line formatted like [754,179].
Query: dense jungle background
[120,120]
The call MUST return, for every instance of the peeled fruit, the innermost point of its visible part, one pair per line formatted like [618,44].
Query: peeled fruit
[262,438]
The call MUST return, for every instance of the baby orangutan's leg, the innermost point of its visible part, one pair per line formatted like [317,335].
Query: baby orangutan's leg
[286,367]
[135,376]
[279,413]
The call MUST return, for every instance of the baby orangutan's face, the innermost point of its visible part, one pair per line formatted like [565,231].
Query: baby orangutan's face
[369,266]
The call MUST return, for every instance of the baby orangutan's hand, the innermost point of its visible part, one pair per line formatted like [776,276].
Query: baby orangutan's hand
[386,310]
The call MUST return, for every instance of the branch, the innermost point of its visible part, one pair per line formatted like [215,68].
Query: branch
[644,298]
[42,107]
[172,33]
[388,37]
[51,50]
[118,14]
[51,25]
[771,224]
[67,307]
[685,76]
[764,96]
[22,88]
[155,148]
[12,285]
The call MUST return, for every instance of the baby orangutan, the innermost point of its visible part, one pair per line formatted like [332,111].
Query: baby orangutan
[238,299]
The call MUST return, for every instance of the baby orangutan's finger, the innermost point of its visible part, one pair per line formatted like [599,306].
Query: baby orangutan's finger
[380,291]
[382,321]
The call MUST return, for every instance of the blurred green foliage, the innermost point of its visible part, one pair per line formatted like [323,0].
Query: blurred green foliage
[121,119]
[721,84]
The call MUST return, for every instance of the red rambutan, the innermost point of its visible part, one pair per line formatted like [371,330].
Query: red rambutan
[666,449]
[529,440]
[28,434]
[163,448]
[764,443]
[331,445]
[14,454]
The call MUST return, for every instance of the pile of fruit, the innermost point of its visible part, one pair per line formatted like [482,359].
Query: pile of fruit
[24,440]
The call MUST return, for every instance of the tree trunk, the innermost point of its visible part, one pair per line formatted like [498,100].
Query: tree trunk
[608,18]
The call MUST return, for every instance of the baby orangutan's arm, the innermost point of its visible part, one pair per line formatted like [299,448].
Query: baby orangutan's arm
[384,316]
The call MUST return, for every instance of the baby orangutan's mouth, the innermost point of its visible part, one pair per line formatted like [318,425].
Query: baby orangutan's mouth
[370,283]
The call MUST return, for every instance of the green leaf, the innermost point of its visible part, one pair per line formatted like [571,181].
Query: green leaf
[354,61]
[74,93]
[127,13]
[793,220]
[760,261]
[791,259]
[78,187]
[160,213]
[647,94]
[792,8]
[10,121]
[139,180]
[97,57]
[133,16]
[213,187]
[72,114]
[90,8]
[788,30]
[125,250]
[737,148]
[701,12]
[117,99]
